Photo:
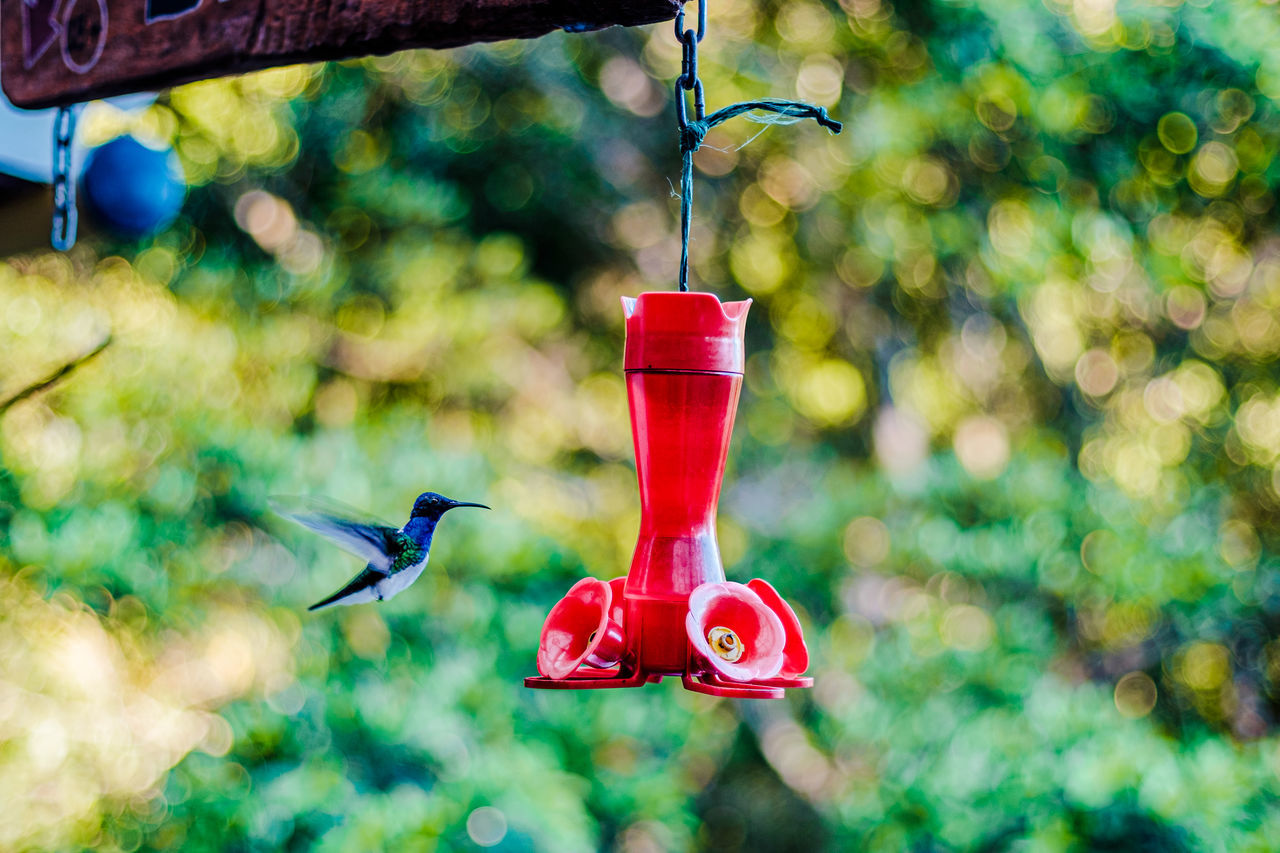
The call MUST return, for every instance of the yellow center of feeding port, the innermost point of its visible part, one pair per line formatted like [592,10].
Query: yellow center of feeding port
[725,643]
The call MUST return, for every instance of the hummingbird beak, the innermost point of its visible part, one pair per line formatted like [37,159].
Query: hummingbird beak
[457,504]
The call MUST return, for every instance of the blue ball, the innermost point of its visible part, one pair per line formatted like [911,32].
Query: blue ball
[132,189]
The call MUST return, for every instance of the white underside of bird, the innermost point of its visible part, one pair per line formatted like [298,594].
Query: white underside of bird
[388,587]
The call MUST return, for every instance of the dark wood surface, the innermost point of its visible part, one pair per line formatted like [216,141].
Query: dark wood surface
[55,52]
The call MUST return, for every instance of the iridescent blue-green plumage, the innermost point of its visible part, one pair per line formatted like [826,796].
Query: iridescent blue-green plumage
[410,552]
[394,558]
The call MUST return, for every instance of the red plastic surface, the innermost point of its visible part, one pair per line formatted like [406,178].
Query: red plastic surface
[684,361]
[684,331]
[578,630]
[795,654]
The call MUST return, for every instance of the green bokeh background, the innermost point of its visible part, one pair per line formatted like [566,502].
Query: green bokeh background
[1008,442]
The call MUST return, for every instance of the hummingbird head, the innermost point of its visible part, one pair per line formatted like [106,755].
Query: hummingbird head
[432,505]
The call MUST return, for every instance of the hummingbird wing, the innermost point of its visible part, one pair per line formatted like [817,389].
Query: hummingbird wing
[373,584]
[372,542]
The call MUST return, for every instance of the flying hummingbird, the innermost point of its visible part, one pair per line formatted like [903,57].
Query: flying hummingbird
[395,557]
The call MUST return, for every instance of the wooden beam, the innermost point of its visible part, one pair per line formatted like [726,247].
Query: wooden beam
[55,52]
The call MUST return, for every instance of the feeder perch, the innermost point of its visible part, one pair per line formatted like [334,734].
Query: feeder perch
[674,614]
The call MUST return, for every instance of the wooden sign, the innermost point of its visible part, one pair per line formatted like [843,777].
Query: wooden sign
[55,52]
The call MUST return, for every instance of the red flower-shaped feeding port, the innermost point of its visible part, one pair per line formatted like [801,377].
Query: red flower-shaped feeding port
[734,633]
[579,630]
[684,361]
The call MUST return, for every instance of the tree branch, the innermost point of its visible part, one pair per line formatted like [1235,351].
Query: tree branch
[54,377]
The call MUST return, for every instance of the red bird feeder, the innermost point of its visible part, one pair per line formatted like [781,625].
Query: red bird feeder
[678,614]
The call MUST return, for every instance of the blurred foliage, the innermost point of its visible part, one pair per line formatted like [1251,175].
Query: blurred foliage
[1010,440]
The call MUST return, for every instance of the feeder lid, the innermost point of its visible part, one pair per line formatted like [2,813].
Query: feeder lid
[684,331]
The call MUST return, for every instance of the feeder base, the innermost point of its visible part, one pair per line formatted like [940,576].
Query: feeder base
[711,685]
[592,680]
[800,681]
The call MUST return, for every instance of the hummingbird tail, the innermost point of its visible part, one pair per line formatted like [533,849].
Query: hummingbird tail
[361,588]
[319,605]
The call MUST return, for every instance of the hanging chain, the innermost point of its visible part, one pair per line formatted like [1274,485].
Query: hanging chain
[63,235]
[688,79]
[764,111]
[686,82]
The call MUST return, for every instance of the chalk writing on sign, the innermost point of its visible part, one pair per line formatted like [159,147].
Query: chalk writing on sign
[78,26]
[84,33]
[40,28]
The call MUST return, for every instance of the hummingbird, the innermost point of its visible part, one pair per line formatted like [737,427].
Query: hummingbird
[395,558]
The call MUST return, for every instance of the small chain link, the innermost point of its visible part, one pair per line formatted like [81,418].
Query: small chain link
[688,80]
[702,21]
[63,235]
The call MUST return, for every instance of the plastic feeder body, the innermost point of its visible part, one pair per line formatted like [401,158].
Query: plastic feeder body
[684,363]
